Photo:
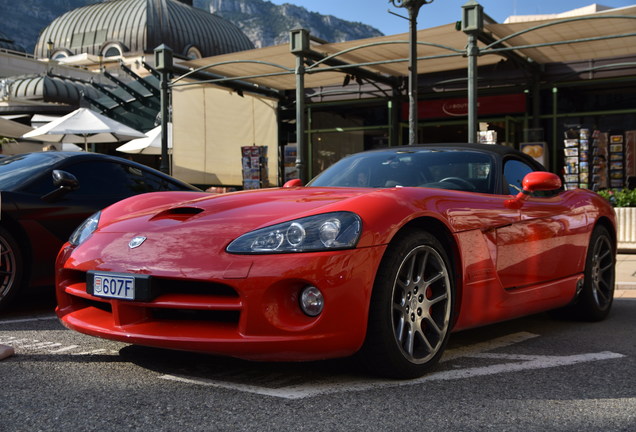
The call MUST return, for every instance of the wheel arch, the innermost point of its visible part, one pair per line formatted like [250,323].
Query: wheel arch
[607,224]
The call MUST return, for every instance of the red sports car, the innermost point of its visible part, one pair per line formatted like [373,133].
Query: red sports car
[384,254]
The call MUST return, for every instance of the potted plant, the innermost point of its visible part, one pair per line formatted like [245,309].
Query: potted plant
[624,202]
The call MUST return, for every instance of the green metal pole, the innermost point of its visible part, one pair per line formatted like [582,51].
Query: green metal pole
[553,159]
[165,97]
[299,46]
[472,87]
[472,25]
[163,64]
[300,119]
[413,6]
[413,81]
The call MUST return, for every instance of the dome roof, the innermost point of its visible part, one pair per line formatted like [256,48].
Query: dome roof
[135,27]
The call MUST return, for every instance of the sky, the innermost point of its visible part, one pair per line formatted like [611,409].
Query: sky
[439,12]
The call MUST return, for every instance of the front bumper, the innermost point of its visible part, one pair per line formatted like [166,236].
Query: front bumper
[239,306]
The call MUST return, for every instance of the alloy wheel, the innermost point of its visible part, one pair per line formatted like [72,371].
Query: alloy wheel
[421,304]
[602,271]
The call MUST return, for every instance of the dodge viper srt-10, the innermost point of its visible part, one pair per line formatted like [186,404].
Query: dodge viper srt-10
[382,255]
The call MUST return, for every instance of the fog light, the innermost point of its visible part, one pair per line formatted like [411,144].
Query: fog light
[311,301]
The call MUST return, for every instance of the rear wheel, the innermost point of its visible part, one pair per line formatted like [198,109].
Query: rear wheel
[411,308]
[11,267]
[597,295]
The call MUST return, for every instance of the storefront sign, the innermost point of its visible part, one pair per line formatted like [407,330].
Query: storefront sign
[458,107]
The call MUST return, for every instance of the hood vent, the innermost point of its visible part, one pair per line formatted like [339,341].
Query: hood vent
[177,213]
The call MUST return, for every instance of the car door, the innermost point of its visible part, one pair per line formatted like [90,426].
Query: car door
[49,223]
[546,243]
[101,183]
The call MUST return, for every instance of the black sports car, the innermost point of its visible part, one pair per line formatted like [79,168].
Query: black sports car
[45,196]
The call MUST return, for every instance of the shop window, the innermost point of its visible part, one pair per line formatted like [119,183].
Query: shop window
[330,117]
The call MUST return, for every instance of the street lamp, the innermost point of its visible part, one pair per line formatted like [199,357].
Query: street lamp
[472,25]
[413,6]
[163,65]
[299,46]
[49,48]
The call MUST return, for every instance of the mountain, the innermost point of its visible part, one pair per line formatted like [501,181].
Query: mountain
[268,24]
[262,21]
[22,21]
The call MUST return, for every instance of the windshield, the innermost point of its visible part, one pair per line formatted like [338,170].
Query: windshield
[437,168]
[17,170]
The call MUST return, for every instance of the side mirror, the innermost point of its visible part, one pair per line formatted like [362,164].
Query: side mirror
[533,182]
[65,180]
[65,183]
[293,183]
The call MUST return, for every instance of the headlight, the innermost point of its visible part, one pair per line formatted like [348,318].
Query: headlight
[85,230]
[329,231]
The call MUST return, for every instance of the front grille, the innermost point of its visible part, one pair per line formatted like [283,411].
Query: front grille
[101,305]
[182,286]
[173,300]
[231,317]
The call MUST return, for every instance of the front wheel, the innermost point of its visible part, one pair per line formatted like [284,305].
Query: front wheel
[411,308]
[11,267]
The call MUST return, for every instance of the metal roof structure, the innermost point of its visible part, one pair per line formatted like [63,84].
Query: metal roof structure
[48,88]
[601,35]
[137,27]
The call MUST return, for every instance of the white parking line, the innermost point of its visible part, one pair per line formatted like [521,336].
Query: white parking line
[534,362]
[64,349]
[95,351]
[41,345]
[23,320]
[504,363]
[501,342]
[49,347]
[513,363]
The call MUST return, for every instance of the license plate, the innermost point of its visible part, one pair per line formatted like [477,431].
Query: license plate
[106,285]
[120,286]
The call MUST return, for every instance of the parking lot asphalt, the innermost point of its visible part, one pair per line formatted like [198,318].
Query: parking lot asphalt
[625,276]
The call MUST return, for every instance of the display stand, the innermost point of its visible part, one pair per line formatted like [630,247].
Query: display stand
[255,170]
[595,161]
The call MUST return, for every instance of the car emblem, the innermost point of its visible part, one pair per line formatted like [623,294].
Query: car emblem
[136,242]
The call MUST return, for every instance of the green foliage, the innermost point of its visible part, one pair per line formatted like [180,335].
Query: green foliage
[620,197]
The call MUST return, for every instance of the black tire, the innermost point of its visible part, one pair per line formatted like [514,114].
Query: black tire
[11,268]
[596,298]
[411,308]
[597,295]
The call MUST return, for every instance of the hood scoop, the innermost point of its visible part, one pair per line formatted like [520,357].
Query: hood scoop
[177,214]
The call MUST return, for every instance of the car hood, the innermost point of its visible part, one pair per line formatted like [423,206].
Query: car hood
[230,214]
[183,229]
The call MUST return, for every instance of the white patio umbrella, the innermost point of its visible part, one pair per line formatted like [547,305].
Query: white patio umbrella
[83,126]
[63,147]
[150,144]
